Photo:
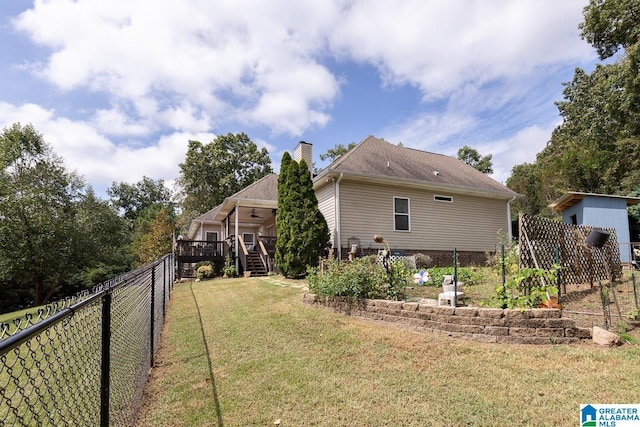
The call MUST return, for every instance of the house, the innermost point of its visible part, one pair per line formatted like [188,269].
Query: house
[418,201]
[245,220]
[599,210]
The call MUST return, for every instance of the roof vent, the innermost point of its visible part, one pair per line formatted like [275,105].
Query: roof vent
[436,173]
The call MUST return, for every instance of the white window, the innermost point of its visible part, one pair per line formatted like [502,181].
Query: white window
[401,221]
[439,198]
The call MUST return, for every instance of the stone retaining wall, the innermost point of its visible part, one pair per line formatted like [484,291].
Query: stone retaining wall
[494,325]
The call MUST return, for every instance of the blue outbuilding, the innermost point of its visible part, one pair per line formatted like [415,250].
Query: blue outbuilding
[599,210]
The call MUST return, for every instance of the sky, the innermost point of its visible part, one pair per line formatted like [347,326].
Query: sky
[119,87]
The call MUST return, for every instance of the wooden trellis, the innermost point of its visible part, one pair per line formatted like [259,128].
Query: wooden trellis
[542,241]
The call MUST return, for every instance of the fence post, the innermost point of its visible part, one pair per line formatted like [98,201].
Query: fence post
[504,272]
[164,288]
[153,309]
[455,277]
[105,373]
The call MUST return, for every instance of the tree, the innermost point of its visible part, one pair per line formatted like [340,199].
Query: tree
[596,148]
[610,25]
[525,179]
[471,157]
[333,153]
[45,240]
[219,169]
[153,238]
[283,212]
[302,230]
[135,198]
[104,238]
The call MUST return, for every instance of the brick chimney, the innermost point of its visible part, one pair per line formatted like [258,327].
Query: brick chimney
[304,150]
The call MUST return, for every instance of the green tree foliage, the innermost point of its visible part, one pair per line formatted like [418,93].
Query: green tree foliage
[610,25]
[219,169]
[525,179]
[135,198]
[51,232]
[302,230]
[104,239]
[471,157]
[596,148]
[337,151]
[153,235]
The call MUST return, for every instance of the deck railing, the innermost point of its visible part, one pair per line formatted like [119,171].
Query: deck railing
[202,248]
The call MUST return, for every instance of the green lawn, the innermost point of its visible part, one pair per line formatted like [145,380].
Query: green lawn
[268,357]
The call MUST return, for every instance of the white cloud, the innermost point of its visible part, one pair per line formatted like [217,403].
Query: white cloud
[98,159]
[516,149]
[445,46]
[172,70]
[430,131]
[253,60]
[261,63]
[115,122]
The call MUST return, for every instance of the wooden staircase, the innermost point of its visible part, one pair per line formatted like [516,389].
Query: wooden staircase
[255,265]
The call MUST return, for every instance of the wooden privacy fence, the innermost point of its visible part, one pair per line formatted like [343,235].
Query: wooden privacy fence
[545,242]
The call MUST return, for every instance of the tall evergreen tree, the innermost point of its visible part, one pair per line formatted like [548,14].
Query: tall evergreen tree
[283,207]
[302,230]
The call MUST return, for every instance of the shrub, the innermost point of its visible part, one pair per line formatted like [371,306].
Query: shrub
[423,261]
[527,289]
[467,275]
[360,278]
[204,271]
[229,269]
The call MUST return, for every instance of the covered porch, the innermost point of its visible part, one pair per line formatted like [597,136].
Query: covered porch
[242,227]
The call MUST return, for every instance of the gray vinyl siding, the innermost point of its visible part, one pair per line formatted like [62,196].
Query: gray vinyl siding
[327,205]
[469,223]
[202,233]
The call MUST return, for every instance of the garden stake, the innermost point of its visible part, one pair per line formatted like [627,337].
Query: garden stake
[605,307]
[504,273]
[635,291]
[455,277]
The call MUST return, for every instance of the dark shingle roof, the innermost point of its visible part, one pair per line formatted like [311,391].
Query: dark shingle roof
[266,188]
[375,157]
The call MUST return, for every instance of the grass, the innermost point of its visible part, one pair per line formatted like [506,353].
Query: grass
[244,352]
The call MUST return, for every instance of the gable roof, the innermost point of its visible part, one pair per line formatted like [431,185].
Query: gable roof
[266,188]
[262,194]
[374,159]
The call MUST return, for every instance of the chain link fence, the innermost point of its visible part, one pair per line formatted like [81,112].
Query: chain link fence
[84,361]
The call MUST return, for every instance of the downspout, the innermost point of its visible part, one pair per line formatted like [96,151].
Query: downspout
[509,218]
[337,208]
[235,246]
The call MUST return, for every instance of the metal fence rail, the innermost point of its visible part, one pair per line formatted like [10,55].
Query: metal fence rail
[84,361]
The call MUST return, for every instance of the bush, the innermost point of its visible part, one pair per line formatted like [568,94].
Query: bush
[229,269]
[527,289]
[204,271]
[467,275]
[360,278]
[423,261]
